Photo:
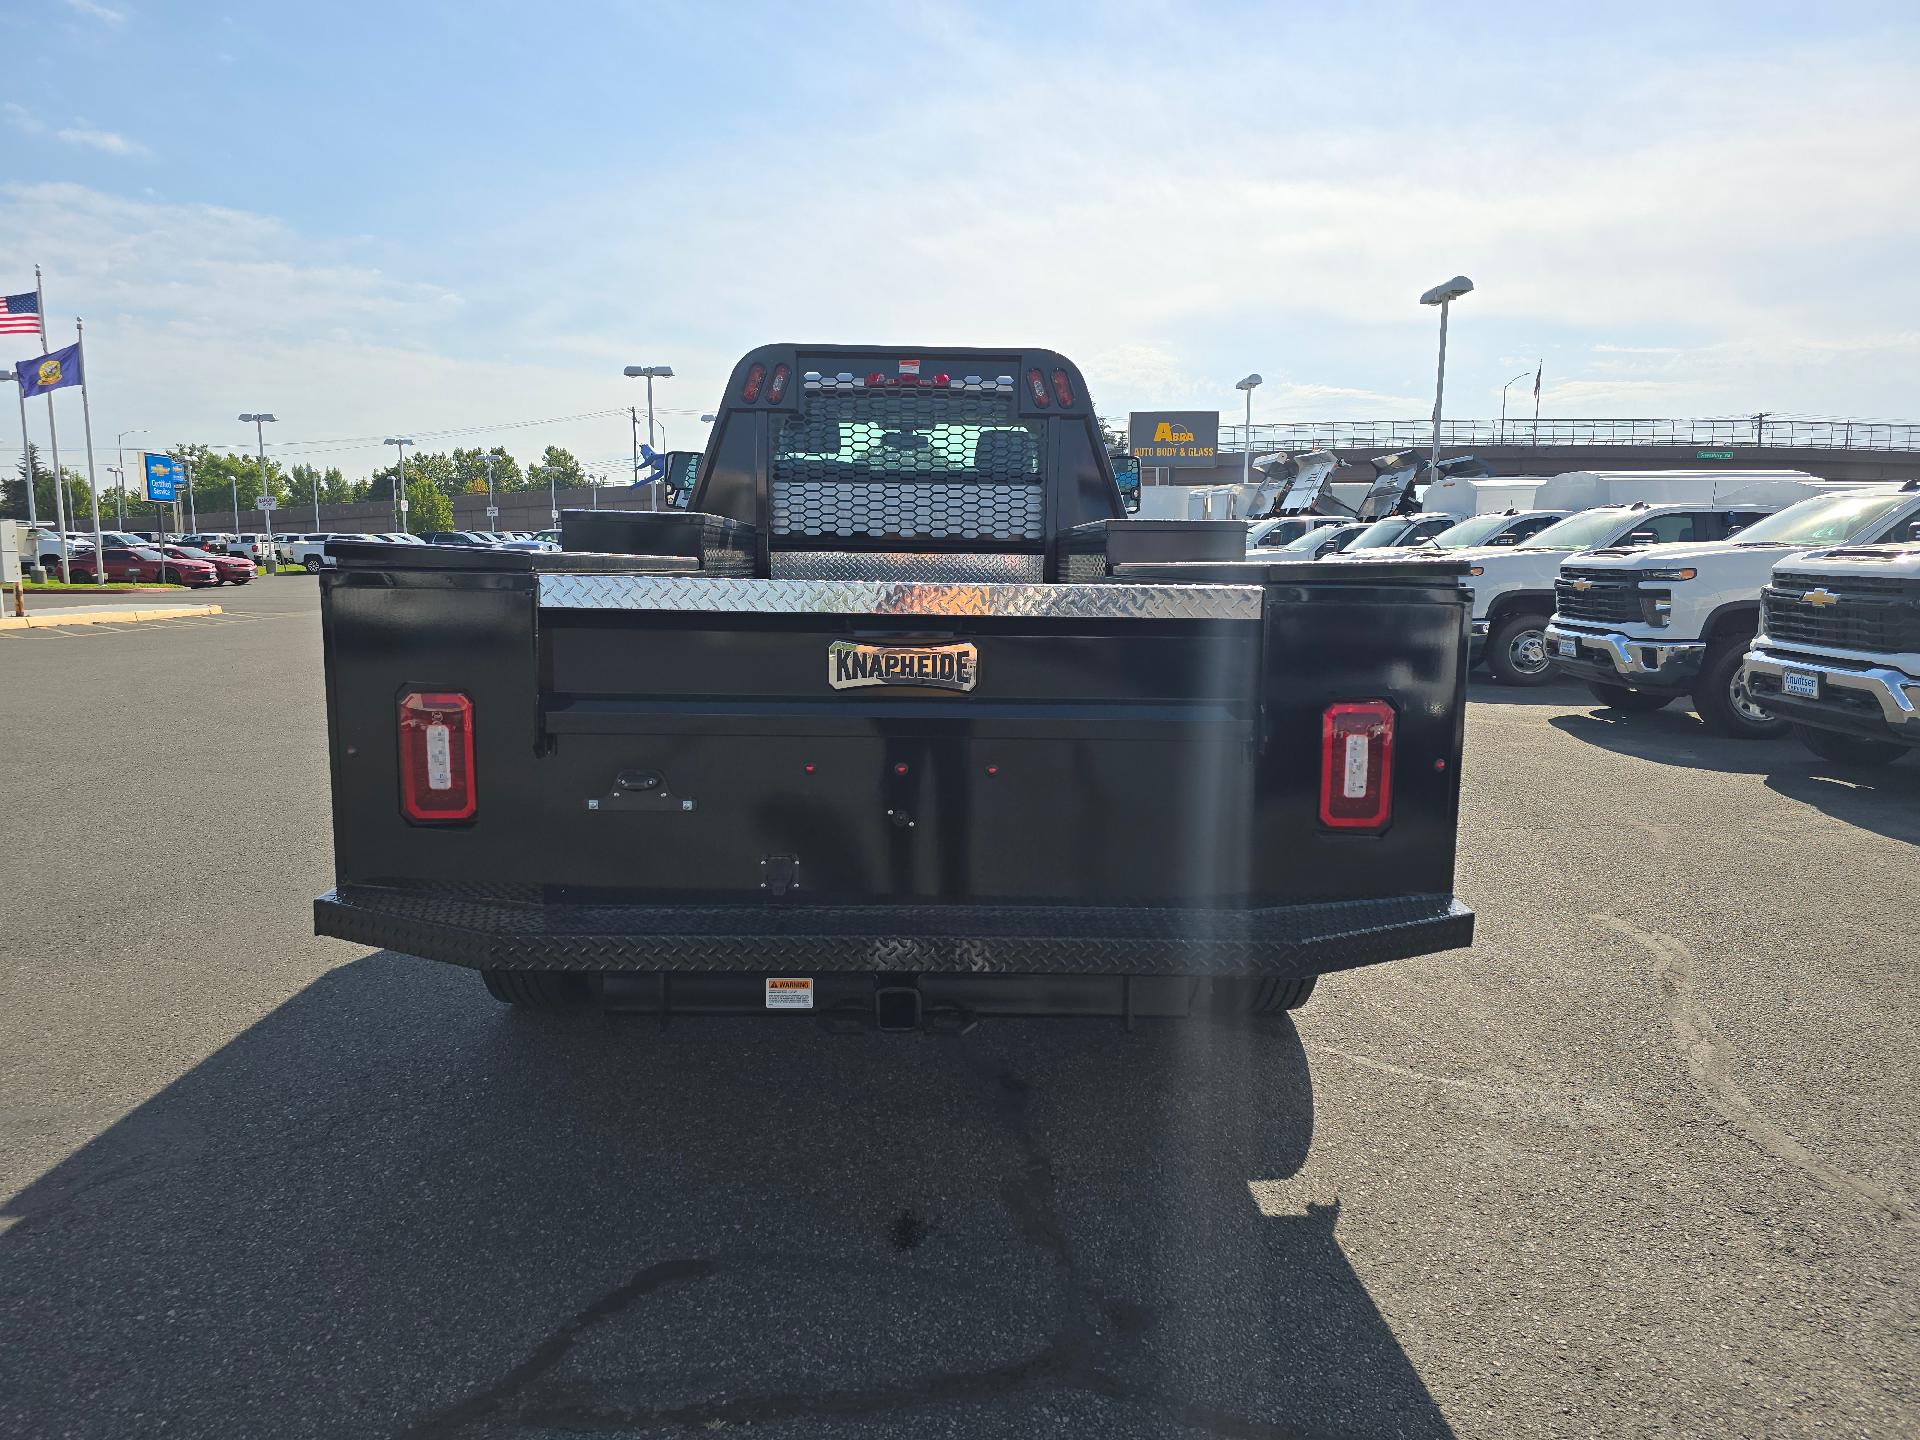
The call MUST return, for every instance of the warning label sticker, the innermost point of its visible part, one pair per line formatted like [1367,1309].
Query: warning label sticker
[789,993]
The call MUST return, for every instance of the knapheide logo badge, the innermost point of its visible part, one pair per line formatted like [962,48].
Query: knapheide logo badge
[856,665]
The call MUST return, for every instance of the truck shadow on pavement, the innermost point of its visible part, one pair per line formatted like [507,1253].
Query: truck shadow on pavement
[391,1207]
[1883,799]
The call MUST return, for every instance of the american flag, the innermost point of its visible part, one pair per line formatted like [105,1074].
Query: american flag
[20,314]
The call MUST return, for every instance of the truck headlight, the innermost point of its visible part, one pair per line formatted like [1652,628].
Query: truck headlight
[1683,574]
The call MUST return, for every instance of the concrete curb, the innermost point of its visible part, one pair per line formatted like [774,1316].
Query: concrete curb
[104,616]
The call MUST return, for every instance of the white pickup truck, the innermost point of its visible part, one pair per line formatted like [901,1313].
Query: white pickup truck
[1838,653]
[1645,625]
[1513,585]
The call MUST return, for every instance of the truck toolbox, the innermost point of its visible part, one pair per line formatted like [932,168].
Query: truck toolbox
[854,720]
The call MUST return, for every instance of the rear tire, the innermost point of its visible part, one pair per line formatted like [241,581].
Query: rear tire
[1262,995]
[1619,697]
[312,562]
[1847,749]
[1722,701]
[1517,650]
[544,992]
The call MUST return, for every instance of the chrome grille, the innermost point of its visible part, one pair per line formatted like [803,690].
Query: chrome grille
[1611,596]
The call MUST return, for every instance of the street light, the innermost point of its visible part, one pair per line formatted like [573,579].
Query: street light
[649,373]
[119,473]
[259,422]
[119,444]
[1442,295]
[1503,404]
[493,510]
[1250,384]
[400,478]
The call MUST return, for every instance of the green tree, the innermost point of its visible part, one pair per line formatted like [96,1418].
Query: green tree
[428,507]
[470,471]
[217,477]
[559,465]
[13,493]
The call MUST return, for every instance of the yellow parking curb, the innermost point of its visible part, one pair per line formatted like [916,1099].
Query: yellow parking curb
[55,618]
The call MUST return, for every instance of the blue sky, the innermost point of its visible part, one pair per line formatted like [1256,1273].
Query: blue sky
[429,218]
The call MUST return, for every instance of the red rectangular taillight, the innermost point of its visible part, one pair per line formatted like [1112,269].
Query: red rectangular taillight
[436,756]
[1356,765]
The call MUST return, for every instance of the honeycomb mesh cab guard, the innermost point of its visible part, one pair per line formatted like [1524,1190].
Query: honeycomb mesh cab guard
[926,463]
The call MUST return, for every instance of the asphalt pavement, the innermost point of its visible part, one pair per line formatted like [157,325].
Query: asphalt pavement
[1644,1161]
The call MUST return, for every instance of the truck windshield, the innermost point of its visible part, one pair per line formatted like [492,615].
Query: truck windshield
[1477,531]
[1381,534]
[1823,520]
[1578,532]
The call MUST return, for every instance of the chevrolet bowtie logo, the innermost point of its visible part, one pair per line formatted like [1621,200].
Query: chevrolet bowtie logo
[1821,598]
[1583,584]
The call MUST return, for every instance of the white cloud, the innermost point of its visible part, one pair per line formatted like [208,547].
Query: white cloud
[106,141]
[93,10]
[1704,239]
[22,119]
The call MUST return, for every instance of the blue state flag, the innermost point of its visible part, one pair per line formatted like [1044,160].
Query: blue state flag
[163,477]
[50,372]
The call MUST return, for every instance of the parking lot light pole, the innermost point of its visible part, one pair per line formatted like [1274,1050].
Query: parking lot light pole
[1503,402]
[120,447]
[1250,384]
[259,423]
[493,510]
[1443,296]
[649,373]
[400,476]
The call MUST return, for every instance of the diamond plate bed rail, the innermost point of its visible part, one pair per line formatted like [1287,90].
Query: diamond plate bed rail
[717,595]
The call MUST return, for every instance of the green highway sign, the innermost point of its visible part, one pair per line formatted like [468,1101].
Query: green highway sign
[1713,454]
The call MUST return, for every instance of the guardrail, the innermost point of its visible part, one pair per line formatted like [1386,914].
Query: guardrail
[1771,431]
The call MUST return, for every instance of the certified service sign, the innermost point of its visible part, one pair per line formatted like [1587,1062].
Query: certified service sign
[855,665]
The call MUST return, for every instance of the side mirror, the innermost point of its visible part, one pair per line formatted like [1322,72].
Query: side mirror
[1913,532]
[1642,537]
[1504,540]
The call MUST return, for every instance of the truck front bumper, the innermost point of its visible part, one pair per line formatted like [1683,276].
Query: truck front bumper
[1615,659]
[524,934]
[1854,697]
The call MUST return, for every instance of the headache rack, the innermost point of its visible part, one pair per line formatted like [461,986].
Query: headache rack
[928,465]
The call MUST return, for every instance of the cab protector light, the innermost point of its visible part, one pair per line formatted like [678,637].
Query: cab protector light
[1062,389]
[750,392]
[1037,387]
[436,756]
[777,386]
[1356,765]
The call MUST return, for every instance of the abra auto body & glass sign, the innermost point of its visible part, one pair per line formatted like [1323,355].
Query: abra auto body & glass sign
[1173,438]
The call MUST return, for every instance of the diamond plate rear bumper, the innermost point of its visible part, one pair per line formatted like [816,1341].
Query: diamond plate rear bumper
[956,939]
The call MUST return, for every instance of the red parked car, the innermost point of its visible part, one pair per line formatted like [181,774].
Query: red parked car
[144,564]
[235,568]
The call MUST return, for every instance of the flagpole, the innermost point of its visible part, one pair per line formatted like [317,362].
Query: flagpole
[53,442]
[86,417]
[1536,399]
